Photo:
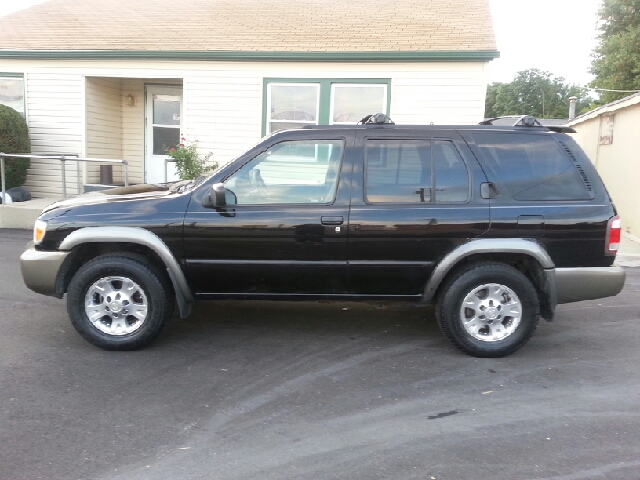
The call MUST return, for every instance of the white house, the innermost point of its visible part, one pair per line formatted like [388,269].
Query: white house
[125,78]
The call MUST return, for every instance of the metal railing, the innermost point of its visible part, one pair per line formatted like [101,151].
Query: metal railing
[62,159]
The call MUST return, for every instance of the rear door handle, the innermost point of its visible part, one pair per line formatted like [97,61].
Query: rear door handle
[331,220]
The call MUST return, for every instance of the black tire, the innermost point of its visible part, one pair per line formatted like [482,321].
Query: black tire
[129,287]
[496,321]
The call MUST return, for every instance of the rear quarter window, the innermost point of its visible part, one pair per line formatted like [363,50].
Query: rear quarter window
[530,167]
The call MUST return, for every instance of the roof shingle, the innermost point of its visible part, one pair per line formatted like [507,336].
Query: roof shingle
[252,26]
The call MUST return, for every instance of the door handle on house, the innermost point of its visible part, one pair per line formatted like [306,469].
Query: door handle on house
[331,220]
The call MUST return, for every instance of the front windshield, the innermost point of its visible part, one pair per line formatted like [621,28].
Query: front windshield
[187,185]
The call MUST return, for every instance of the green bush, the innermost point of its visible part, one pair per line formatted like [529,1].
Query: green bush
[14,138]
[189,165]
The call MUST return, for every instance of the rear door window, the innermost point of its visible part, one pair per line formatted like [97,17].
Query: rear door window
[530,167]
[414,171]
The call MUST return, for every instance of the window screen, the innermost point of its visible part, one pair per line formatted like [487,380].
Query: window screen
[531,167]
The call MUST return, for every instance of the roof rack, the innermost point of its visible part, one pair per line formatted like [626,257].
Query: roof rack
[529,121]
[376,119]
[523,120]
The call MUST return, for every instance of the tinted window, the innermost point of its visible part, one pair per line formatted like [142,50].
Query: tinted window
[452,179]
[304,171]
[402,171]
[398,171]
[531,167]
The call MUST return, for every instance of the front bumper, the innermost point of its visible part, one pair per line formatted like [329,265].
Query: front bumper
[577,284]
[40,269]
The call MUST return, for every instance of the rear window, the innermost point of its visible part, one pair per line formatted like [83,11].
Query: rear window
[531,167]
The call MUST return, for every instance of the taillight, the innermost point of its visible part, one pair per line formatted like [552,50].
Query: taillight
[614,230]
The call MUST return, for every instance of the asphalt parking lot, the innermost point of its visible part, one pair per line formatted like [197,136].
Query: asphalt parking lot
[260,390]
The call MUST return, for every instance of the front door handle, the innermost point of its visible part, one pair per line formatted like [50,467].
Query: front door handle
[331,220]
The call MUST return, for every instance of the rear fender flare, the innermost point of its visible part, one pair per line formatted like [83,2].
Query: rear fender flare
[494,245]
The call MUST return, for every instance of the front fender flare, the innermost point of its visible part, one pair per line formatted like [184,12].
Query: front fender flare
[139,236]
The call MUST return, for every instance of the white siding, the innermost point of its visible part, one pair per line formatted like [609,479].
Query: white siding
[133,129]
[55,118]
[103,120]
[223,100]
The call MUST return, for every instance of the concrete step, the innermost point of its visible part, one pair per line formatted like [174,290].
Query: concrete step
[23,214]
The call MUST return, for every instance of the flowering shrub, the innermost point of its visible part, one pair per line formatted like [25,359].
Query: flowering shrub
[188,163]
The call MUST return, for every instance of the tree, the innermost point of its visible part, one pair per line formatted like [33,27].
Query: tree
[616,59]
[14,138]
[534,92]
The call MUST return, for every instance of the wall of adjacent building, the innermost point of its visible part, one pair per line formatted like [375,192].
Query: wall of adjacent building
[618,163]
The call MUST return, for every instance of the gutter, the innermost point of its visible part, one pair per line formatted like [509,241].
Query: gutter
[282,56]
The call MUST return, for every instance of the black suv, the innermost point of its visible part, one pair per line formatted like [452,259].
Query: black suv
[494,225]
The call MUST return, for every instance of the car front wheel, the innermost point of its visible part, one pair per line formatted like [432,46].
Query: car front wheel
[118,303]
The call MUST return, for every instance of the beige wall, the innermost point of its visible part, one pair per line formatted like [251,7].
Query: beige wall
[55,115]
[103,121]
[618,163]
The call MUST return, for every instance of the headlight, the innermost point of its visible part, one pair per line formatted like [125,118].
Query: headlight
[39,230]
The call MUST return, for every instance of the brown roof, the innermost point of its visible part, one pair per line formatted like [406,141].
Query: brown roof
[252,26]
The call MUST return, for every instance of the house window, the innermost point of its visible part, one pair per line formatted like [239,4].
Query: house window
[352,102]
[293,103]
[12,92]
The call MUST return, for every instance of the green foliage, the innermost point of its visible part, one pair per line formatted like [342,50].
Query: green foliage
[534,92]
[188,163]
[616,59]
[14,138]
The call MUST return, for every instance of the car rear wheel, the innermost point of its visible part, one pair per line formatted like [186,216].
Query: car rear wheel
[488,309]
[118,303]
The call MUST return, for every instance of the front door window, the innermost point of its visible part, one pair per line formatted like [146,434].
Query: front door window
[304,171]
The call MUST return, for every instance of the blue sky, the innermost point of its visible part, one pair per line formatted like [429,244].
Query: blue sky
[553,35]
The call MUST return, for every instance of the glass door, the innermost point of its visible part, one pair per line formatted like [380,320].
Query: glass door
[163,131]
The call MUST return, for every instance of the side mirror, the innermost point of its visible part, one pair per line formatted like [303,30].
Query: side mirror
[216,197]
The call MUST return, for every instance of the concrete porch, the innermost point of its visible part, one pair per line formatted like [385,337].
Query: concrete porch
[23,214]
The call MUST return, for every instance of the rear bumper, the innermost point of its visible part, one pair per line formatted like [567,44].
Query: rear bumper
[577,284]
[40,269]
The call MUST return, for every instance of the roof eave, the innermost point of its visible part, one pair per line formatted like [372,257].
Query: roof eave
[257,56]
[612,107]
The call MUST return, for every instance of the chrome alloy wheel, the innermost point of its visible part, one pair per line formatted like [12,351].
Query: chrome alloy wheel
[491,312]
[116,305]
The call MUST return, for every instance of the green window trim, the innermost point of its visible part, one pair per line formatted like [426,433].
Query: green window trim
[325,94]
